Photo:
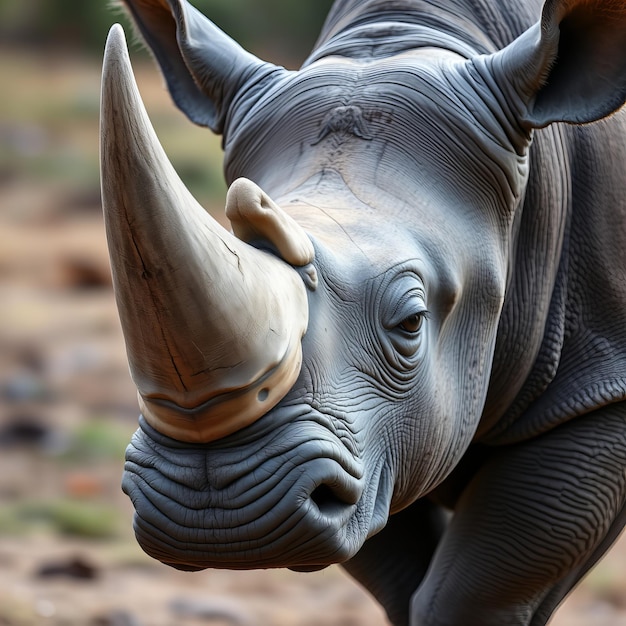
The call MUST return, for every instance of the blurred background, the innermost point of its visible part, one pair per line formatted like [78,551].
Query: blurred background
[67,406]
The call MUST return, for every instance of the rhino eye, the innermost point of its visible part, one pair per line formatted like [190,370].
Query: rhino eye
[412,324]
[403,311]
[407,337]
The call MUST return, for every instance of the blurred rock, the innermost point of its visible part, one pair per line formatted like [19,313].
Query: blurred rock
[115,618]
[81,272]
[211,611]
[82,485]
[82,200]
[25,386]
[26,431]
[77,568]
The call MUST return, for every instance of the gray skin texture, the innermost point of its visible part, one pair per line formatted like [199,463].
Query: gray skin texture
[466,346]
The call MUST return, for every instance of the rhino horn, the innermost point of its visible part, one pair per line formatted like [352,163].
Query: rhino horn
[254,216]
[212,325]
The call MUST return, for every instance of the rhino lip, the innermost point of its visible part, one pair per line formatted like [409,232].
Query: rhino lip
[300,501]
[382,501]
[313,529]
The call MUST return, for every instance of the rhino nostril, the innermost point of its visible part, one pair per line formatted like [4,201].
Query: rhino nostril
[328,501]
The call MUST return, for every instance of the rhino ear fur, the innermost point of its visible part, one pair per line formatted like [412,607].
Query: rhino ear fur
[569,68]
[203,67]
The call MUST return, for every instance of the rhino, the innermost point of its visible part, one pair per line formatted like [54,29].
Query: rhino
[408,353]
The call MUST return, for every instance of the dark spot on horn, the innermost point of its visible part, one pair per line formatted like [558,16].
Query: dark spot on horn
[263,394]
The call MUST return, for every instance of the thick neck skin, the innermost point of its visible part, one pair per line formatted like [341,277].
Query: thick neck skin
[481,25]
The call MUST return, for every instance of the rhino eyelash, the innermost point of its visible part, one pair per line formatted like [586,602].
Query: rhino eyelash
[421,315]
[425,313]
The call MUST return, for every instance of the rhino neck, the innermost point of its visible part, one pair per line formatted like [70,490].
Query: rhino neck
[530,336]
[466,28]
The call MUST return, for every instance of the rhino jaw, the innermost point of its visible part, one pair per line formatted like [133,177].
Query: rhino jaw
[212,325]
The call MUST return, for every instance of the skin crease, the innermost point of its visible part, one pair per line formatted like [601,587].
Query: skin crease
[458,354]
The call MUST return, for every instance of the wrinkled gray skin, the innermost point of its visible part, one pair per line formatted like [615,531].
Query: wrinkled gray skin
[466,344]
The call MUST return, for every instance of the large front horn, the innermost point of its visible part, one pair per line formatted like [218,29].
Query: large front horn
[212,325]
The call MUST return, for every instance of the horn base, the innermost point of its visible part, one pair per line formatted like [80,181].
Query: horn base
[227,412]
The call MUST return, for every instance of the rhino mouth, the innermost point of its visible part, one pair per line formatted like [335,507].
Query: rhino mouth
[296,498]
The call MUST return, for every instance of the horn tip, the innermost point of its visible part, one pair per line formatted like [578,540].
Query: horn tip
[116,36]
[115,48]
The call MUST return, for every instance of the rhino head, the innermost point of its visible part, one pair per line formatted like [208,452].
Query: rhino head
[326,363]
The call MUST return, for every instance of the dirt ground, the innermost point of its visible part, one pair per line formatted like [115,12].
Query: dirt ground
[67,407]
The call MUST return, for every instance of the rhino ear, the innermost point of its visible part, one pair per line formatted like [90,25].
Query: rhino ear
[203,67]
[571,67]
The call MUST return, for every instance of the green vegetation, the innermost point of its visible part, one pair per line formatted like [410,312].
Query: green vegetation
[83,519]
[97,440]
[50,123]
[282,28]
[65,516]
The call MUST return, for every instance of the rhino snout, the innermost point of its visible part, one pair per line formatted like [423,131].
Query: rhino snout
[237,509]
